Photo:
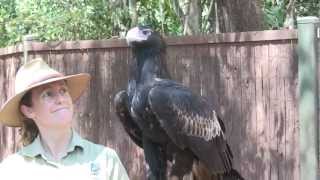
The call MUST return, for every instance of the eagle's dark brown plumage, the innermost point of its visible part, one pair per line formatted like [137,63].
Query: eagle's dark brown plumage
[167,119]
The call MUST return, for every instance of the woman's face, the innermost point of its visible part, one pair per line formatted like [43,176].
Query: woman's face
[52,106]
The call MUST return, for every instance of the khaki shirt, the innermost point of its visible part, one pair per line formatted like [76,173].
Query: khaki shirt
[84,161]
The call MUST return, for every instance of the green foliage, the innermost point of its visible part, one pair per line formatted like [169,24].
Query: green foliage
[208,16]
[274,14]
[308,7]
[100,19]
[275,10]
[62,20]
[7,12]
[160,15]
[79,19]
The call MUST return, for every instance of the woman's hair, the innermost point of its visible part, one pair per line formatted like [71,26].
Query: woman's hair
[29,130]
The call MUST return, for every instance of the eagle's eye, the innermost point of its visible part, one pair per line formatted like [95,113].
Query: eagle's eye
[146,32]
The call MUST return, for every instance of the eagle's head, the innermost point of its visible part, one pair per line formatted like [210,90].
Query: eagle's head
[144,36]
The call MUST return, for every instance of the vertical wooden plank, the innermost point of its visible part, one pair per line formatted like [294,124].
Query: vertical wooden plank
[12,136]
[185,66]
[291,166]
[195,74]
[56,61]
[225,87]
[99,121]
[211,78]
[262,111]
[283,61]
[106,60]
[248,114]
[179,68]
[234,119]
[273,118]
[70,66]
[3,98]
[202,56]
[8,86]
[278,64]
[230,98]
[170,59]
[289,73]
[64,62]
[176,75]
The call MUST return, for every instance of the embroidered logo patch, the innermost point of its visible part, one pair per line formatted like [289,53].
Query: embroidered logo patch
[95,169]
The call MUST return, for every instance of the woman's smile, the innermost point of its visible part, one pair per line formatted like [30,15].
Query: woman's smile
[61,109]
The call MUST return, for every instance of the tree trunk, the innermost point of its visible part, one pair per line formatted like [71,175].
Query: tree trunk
[290,15]
[189,12]
[133,12]
[239,15]
[192,23]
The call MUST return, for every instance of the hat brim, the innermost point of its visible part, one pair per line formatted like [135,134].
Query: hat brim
[10,114]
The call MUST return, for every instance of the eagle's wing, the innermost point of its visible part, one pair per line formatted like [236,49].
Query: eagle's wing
[121,103]
[191,123]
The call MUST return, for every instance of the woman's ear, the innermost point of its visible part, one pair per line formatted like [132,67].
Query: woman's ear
[27,111]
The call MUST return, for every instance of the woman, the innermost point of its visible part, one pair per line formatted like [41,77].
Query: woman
[43,107]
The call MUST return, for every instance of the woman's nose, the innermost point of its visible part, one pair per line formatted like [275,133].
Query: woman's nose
[59,98]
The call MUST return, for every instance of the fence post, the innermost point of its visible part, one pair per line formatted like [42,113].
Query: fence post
[308,97]
[27,39]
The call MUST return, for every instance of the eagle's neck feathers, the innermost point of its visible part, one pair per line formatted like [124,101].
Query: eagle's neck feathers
[148,64]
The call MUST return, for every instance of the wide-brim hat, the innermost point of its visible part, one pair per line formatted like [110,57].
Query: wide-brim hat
[32,74]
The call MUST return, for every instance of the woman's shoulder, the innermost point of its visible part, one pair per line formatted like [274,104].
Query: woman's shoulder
[108,158]
[98,149]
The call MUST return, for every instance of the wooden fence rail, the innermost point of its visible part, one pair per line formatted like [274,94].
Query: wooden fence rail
[251,78]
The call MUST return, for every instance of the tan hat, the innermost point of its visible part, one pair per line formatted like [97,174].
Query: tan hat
[33,74]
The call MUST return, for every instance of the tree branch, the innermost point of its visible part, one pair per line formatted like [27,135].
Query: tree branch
[290,16]
[209,13]
[178,10]
[133,12]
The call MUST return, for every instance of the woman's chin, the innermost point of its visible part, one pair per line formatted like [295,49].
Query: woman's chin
[65,120]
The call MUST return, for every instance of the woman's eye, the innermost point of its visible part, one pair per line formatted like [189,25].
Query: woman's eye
[47,94]
[63,90]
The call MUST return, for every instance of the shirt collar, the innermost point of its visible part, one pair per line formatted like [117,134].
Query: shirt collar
[35,148]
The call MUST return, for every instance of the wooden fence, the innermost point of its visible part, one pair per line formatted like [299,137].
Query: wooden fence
[250,77]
